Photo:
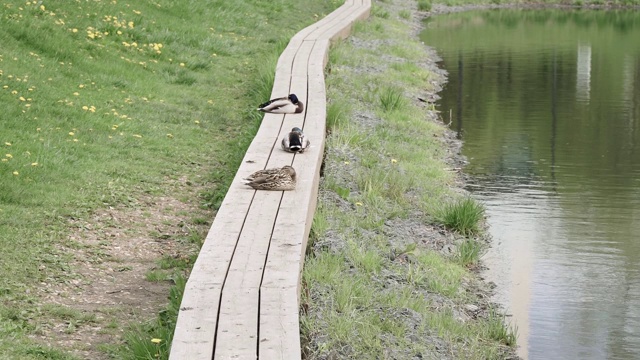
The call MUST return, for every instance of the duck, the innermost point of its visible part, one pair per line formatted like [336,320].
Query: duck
[277,179]
[283,105]
[295,141]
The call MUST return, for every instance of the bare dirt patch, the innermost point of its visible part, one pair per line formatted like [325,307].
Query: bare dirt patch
[106,287]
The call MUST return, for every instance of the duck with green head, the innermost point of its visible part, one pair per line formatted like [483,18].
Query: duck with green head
[284,105]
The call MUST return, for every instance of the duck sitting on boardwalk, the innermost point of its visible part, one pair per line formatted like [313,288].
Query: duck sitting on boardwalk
[295,141]
[277,179]
[283,105]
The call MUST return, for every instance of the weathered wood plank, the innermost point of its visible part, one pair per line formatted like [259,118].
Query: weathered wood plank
[334,23]
[197,320]
[223,283]
[341,29]
[238,320]
[237,334]
[279,292]
[279,328]
[302,34]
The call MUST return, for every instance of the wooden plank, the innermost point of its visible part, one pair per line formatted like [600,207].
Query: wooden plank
[302,35]
[238,320]
[230,234]
[342,29]
[279,326]
[237,334]
[197,320]
[279,292]
[334,23]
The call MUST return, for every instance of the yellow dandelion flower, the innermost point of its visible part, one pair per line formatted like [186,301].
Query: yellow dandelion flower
[358,204]
[76,94]
[14,92]
[182,64]
[4,160]
[130,24]
[156,340]
[74,30]
[34,164]
[22,98]
[8,156]
[7,144]
[119,32]
[393,161]
[42,8]
[5,87]
[197,122]
[71,133]
[346,163]
[85,108]
[137,136]
[38,129]
[81,86]
[170,136]
[16,173]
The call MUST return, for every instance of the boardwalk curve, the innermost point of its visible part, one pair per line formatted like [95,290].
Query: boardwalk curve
[242,298]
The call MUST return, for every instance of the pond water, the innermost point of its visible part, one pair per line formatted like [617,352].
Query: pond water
[548,105]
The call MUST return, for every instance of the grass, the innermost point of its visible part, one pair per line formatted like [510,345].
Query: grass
[110,106]
[391,98]
[424,5]
[370,285]
[463,216]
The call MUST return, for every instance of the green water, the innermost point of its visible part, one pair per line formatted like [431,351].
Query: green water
[548,105]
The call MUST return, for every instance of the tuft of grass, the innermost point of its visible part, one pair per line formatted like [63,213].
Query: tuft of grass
[497,328]
[469,252]
[391,98]
[424,5]
[337,114]
[463,216]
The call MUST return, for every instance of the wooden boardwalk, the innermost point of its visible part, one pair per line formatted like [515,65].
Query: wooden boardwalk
[242,298]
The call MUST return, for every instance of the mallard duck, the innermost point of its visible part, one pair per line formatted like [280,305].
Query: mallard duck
[277,179]
[283,105]
[295,141]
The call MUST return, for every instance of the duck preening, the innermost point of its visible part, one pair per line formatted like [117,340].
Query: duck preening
[277,179]
[283,105]
[295,141]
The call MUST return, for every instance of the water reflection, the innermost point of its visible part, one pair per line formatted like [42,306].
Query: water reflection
[548,104]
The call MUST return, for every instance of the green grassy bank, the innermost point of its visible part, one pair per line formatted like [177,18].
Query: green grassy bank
[389,273]
[122,125]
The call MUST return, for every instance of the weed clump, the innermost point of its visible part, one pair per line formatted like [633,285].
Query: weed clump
[391,99]
[463,216]
[424,5]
